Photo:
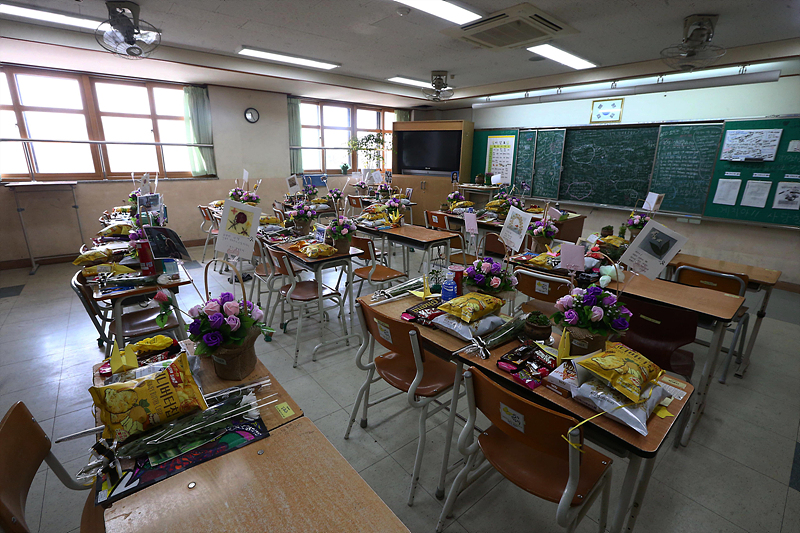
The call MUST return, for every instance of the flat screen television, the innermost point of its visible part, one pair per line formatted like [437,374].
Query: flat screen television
[437,151]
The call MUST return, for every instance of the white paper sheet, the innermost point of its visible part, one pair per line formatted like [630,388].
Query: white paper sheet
[652,250]
[750,144]
[787,196]
[245,179]
[727,192]
[293,184]
[515,228]
[471,223]
[653,201]
[755,193]
[500,158]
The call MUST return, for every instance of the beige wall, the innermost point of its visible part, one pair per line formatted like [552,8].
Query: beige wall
[262,148]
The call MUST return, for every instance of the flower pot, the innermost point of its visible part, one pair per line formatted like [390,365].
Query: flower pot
[342,246]
[581,341]
[634,233]
[236,362]
[606,232]
[540,244]
[303,226]
[537,333]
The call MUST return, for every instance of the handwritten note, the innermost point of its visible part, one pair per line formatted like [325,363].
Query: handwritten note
[741,145]
[284,410]
[515,228]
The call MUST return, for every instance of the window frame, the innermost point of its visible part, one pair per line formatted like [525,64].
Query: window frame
[353,131]
[94,127]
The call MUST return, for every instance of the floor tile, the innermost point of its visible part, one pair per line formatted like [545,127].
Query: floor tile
[62,509]
[315,402]
[76,449]
[791,517]
[360,450]
[33,505]
[14,290]
[40,400]
[794,478]
[18,376]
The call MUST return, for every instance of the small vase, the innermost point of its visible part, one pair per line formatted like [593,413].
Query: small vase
[537,333]
[342,246]
[581,341]
[634,233]
[540,244]
[236,362]
[303,226]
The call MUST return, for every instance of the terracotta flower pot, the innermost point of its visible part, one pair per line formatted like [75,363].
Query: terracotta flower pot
[582,341]
[537,333]
[236,362]
[342,245]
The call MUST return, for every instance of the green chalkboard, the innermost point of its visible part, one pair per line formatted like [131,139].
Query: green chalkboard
[775,172]
[547,165]
[479,144]
[523,166]
[684,163]
[608,165]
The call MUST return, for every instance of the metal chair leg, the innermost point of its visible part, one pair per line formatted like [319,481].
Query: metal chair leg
[359,398]
[423,418]
[297,338]
[740,326]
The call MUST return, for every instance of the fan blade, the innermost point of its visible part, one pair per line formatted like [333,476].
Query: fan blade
[113,38]
[148,37]
[446,93]
[429,92]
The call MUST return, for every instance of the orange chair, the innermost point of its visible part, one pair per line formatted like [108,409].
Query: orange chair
[23,447]
[457,245]
[526,444]
[375,273]
[424,378]
[213,227]
[542,290]
[353,203]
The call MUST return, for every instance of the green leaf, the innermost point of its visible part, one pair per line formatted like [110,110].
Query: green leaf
[202,349]
[162,319]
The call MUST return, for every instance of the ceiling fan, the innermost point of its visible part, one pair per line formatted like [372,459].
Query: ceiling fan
[438,91]
[696,50]
[125,36]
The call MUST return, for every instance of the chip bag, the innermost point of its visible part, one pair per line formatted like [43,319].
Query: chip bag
[266,219]
[623,369]
[472,306]
[135,406]
[159,343]
[116,228]
[463,203]
[93,256]
[600,397]
[217,203]
[318,250]
[113,268]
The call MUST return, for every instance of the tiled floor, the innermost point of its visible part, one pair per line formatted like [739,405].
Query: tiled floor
[735,475]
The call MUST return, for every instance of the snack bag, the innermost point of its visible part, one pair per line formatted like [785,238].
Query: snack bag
[135,406]
[600,397]
[117,228]
[472,306]
[463,203]
[113,268]
[466,332]
[92,256]
[266,219]
[623,369]
[318,250]
[159,343]
[217,203]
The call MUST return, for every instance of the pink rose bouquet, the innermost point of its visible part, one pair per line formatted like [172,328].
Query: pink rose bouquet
[542,228]
[637,220]
[342,228]
[488,275]
[593,309]
[224,321]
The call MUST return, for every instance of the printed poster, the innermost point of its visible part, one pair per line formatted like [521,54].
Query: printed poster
[653,249]
[500,158]
[787,196]
[515,228]
[237,229]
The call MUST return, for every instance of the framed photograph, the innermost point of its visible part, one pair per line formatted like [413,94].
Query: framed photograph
[606,111]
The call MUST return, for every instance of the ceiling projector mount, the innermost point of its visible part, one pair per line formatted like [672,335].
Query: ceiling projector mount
[438,91]
[696,50]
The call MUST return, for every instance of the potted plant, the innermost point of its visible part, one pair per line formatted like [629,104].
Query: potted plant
[590,315]
[436,277]
[237,194]
[345,167]
[537,326]
[384,190]
[542,232]
[226,330]
[302,218]
[487,275]
[454,197]
[361,185]
[310,191]
[636,222]
[341,231]
[372,146]
[480,179]
[336,198]
[607,231]
[394,210]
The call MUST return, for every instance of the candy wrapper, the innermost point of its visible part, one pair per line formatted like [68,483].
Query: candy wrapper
[600,397]
[135,406]
[472,306]
[515,359]
[528,378]
[466,332]
[623,369]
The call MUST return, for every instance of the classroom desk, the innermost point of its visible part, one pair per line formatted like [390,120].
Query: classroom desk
[317,266]
[620,439]
[760,279]
[293,480]
[413,237]
[118,297]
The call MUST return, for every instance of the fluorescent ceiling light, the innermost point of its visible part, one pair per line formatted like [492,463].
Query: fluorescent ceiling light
[560,56]
[281,58]
[409,81]
[442,9]
[46,16]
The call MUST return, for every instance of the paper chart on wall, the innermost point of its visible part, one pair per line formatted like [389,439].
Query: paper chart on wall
[727,192]
[787,196]
[741,145]
[755,193]
[500,157]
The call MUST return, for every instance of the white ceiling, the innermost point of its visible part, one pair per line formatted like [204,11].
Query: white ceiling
[372,42]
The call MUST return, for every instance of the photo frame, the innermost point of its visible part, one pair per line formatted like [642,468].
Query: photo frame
[606,111]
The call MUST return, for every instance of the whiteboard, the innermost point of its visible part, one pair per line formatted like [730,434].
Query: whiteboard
[742,145]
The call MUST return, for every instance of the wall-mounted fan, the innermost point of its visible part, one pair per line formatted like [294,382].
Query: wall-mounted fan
[127,36]
[438,91]
[696,50]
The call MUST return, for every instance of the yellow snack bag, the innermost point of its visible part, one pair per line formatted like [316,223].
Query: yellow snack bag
[217,203]
[266,219]
[463,203]
[135,406]
[153,344]
[471,306]
[92,256]
[623,369]
[116,228]
[113,268]
[318,250]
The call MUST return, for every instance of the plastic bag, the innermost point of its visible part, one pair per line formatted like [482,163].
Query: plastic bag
[116,228]
[472,306]
[158,343]
[113,268]
[92,256]
[135,406]
[318,250]
[623,369]
[466,332]
[600,397]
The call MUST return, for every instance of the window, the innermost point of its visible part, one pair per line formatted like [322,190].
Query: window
[133,118]
[328,126]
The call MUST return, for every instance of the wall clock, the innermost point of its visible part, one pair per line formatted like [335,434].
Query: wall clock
[251,115]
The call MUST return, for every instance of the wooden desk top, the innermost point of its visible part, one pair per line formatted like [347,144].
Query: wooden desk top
[705,301]
[295,254]
[185,279]
[496,224]
[432,339]
[299,483]
[762,276]
[420,234]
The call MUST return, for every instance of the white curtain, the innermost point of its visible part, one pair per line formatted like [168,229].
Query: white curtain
[295,136]
[197,116]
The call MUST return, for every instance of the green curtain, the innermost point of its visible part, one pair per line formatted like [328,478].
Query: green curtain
[197,116]
[295,140]
[402,115]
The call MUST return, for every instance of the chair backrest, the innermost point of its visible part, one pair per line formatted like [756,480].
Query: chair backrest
[656,331]
[355,202]
[205,212]
[278,262]
[541,286]
[280,215]
[364,244]
[524,421]
[409,191]
[390,333]
[278,205]
[493,244]
[435,221]
[712,279]
[23,447]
